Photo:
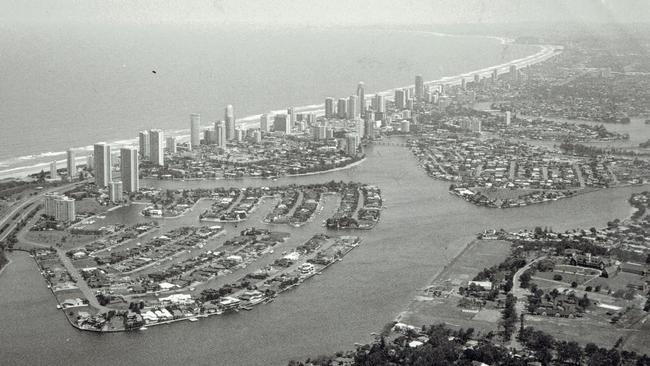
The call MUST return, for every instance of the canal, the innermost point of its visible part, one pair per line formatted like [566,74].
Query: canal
[421,229]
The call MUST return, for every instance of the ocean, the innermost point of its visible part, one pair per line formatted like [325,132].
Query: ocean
[69,86]
[73,86]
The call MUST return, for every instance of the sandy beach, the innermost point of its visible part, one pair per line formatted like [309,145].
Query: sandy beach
[545,52]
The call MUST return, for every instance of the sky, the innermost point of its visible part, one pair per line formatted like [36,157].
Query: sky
[325,12]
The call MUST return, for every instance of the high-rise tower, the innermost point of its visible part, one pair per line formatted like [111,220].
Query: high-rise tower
[229,118]
[129,169]
[102,164]
[195,131]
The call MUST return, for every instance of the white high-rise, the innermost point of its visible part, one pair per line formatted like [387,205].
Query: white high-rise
[291,116]
[156,142]
[64,209]
[102,164]
[195,130]
[129,169]
[115,191]
[220,130]
[72,164]
[361,94]
[53,170]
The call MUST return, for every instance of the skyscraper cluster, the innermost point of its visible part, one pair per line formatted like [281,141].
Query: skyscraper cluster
[129,169]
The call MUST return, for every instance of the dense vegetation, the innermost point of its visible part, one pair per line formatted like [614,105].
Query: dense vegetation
[444,346]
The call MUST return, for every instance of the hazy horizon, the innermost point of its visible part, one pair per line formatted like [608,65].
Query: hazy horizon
[326,12]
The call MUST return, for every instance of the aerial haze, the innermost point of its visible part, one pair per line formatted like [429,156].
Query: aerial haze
[325,183]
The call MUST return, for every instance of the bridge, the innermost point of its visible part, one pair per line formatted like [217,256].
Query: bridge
[390,143]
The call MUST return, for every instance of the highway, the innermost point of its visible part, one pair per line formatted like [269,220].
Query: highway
[26,202]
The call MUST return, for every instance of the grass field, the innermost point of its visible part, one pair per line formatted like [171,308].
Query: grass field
[425,310]
[54,237]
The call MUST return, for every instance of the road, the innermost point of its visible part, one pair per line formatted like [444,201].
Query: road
[26,202]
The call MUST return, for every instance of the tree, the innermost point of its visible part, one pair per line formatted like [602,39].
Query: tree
[525,279]
[509,317]
[569,352]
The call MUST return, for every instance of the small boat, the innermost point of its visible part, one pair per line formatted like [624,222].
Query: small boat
[58,306]
[143,328]
[193,319]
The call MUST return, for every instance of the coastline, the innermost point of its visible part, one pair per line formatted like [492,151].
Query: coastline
[545,52]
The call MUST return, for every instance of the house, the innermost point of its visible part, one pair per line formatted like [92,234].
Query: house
[587,260]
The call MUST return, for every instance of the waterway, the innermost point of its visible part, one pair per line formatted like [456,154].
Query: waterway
[421,228]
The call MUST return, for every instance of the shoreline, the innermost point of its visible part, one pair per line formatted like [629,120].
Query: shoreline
[6,264]
[545,52]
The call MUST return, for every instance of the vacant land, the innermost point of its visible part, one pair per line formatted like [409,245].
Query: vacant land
[55,237]
[428,309]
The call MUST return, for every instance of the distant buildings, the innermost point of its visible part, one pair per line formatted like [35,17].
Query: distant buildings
[291,116]
[53,171]
[240,133]
[129,169]
[115,191]
[170,144]
[229,118]
[195,130]
[351,144]
[419,87]
[514,75]
[72,164]
[156,142]
[220,131]
[281,124]
[406,126]
[379,103]
[400,98]
[143,139]
[329,107]
[353,107]
[341,108]
[473,124]
[264,123]
[361,94]
[210,136]
[369,127]
[102,164]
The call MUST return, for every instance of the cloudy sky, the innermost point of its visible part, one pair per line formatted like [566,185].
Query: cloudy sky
[326,12]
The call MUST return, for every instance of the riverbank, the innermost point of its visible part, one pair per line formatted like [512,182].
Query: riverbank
[4,261]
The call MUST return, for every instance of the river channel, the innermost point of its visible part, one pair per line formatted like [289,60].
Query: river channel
[422,227]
